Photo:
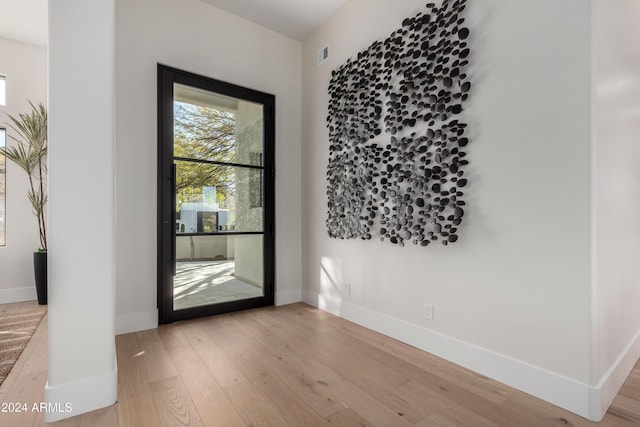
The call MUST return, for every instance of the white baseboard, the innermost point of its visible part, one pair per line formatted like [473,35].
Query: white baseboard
[79,397]
[143,320]
[604,393]
[288,297]
[328,304]
[580,398]
[136,321]
[9,296]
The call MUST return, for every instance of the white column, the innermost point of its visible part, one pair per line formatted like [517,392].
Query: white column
[82,363]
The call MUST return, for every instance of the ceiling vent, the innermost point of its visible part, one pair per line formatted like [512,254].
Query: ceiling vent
[323,54]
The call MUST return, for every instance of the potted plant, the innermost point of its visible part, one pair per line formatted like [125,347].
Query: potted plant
[30,153]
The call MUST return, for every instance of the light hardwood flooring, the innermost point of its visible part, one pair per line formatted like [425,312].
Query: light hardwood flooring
[294,366]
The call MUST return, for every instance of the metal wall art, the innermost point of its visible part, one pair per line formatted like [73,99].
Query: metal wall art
[397,153]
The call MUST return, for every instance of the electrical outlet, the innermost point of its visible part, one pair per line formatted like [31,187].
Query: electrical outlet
[347,289]
[428,311]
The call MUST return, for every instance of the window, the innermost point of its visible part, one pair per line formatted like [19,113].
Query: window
[3,93]
[2,188]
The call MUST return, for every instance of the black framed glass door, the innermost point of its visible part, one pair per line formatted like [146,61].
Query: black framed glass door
[215,196]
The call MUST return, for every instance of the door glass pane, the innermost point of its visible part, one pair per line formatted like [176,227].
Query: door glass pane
[218,155]
[215,269]
[215,198]
[214,127]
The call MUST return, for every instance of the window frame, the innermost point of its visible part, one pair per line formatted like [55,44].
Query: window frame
[3,230]
[3,98]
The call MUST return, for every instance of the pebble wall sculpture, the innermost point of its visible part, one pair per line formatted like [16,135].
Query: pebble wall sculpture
[397,151]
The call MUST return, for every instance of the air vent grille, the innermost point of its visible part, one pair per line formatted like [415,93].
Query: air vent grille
[323,54]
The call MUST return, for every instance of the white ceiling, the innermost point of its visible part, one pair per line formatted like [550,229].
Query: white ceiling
[24,20]
[294,18]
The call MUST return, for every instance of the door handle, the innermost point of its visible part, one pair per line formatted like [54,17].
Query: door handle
[173,217]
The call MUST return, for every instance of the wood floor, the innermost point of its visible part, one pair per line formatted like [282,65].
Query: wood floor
[293,366]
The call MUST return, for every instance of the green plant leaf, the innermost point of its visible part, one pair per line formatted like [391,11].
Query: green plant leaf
[29,152]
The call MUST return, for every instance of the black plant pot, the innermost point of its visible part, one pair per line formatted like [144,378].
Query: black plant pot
[40,268]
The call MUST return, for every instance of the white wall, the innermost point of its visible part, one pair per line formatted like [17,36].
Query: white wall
[82,365]
[512,296]
[617,192]
[25,66]
[193,36]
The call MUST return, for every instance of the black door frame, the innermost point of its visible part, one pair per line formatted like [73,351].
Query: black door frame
[167,76]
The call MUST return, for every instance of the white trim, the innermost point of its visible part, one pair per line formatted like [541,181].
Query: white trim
[9,296]
[143,320]
[288,297]
[79,397]
[609,386]
[580,398]
[328,304]
[136,321]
